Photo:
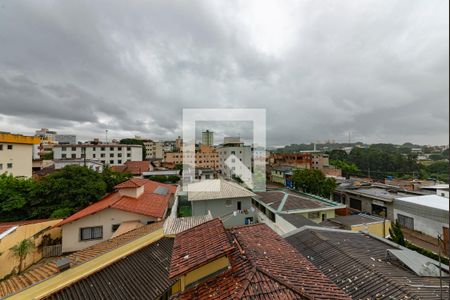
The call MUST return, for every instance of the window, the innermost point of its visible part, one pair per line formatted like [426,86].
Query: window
[228,202]
[74,156]
[93,148]
[406,221]
[64,155]
[1,147]
[9,147]
[102,155]
[91,233]
[93,155]
[1,167]
[239,205]
[9,165]
[102,148]
[119,148]
[128,154]
[63,148]
[111,155]
[111,161]
[119,161]
[128,148]
[74,149]
[119,155]
[114,227]
[111,148]
[324,217]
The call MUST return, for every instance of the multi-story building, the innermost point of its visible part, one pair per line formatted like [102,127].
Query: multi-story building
[45,133]
[240,157]
[154,150]
[66,139]
[109,154]
[205,157]
[296,160]
[208,138]
[16,154]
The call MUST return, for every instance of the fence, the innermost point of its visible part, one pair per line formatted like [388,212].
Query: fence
[54,250]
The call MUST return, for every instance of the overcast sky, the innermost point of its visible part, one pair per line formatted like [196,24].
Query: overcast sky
[377,69]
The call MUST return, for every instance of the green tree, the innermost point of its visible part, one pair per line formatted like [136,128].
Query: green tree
[313,182]
[15,194]
[113,178]
[72,187]
[21,251]
[136,142]
[346,167]
[396,234]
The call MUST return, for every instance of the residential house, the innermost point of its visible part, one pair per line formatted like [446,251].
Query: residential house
[136,168]
[138,200]
[107,154]
[107,270]
[12,233]
[360,222]
[295,160]
[247,262]
[368,267]
[223,199]
[370,198]
[282,175]
[16,154]
[272,205]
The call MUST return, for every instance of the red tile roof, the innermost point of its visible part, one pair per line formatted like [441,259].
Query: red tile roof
[264,266]
[132,183]
[133,167]
[198,246]
[148,204]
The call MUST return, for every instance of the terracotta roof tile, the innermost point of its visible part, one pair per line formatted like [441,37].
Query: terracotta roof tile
[264,266]
[198,246]
[149,203]
[131,183]
[38,273]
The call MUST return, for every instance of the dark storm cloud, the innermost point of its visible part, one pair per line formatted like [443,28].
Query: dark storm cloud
[378,69]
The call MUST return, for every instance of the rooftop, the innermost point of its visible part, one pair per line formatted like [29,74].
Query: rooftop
[96,145]
[6,137]
[150,203]
[41,272]
[141,275]
[297,220]
[173,226]
[359,264]
[264,266]
[284,200]
[216,189]
[433,201]
[198,246]
[350,220]
[133,167]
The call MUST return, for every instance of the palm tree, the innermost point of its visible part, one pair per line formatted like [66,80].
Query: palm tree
[21,251]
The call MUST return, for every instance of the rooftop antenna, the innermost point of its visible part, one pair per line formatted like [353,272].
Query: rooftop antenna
[106,135]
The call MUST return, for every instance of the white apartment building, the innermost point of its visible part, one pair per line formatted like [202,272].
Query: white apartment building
[242,157]
[16,154]
[107,154]
[154,150]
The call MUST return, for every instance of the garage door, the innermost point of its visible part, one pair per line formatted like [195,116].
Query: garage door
[355,203]
[405,221]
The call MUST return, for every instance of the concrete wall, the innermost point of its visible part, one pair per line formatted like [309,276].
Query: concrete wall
[219,208]
[425,225]
[21,158]
[374,228]
[10,263]
[243,153]
[105,218]
[366,204]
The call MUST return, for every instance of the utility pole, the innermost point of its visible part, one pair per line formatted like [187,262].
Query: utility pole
[106,135]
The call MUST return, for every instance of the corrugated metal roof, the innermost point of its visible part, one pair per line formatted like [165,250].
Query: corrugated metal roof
[177,225]
[358,264]
[141,275]
[419,264]
[433,201]
[216,189]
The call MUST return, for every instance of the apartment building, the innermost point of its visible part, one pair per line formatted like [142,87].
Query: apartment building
[154,150]
[240,157]
[108,154]
[205,157]
[16,154]
[208,138]
[296,160]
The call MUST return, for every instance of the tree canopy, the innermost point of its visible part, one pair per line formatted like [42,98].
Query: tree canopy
[56,195]
[313,182]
